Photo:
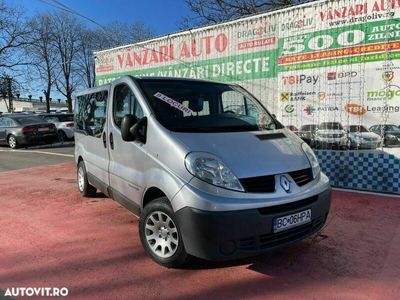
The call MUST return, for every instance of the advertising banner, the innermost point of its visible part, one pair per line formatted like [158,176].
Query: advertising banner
[329,70]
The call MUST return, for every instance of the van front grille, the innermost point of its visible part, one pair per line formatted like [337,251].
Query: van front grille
[302,177]
[261,184]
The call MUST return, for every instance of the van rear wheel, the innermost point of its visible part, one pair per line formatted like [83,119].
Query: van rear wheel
[85,188]
[160,234]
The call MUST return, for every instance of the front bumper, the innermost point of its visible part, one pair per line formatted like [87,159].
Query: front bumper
[392,142]
[366,145]
[228,235]
[332,141]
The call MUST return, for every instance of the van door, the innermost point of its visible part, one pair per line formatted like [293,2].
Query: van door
[128,160]
[91,135]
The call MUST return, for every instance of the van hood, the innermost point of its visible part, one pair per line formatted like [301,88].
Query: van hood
[251,154]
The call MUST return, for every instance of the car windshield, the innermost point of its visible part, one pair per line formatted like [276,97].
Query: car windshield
[357,128]
[309,128]
[66,118]
[330,126]
[393,128]
[28,120]
[60,118]
[195,106]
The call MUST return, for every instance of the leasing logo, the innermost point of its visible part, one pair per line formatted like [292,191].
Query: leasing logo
[355,109]
[384,108]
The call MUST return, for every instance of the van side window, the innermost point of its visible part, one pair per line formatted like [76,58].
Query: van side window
[125,103]
[91,113]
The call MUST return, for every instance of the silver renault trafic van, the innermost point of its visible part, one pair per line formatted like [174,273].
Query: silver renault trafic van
[207,169]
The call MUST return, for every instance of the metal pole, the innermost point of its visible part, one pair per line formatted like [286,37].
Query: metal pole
[10,97]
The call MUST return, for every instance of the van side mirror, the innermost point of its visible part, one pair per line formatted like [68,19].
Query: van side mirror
[133,129]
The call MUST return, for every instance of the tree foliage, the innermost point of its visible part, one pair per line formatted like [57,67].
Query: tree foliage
[13,34]
[55,50]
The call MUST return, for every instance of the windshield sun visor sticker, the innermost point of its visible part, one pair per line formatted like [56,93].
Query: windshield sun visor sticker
[270,136]
[173,103]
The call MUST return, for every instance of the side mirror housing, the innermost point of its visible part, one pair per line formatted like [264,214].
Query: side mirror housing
[139,130]
[128,121]
[133,129]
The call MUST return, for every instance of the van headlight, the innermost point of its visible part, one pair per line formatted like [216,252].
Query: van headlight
[211,169]
[312,159]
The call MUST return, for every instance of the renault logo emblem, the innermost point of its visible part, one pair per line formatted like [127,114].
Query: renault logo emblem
[285,183]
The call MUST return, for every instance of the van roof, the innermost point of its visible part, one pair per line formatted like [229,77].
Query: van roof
[140,78]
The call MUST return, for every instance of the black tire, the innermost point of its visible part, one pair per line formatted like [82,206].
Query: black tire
[12,142]
[179,257]
[62,137]
[84,187]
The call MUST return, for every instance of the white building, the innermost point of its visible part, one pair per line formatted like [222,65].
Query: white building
[26,104]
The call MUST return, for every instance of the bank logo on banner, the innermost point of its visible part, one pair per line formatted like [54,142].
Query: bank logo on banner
[289,108]
[309,109]
[285,97]
[321,96]
[331,75]
[341,75]
[388,76]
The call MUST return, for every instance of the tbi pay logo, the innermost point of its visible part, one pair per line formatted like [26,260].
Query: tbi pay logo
[299,79]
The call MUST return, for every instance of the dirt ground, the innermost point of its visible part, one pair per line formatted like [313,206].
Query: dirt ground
[52,237]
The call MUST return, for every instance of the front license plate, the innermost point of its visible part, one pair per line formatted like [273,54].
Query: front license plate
[293,220]
[43,129]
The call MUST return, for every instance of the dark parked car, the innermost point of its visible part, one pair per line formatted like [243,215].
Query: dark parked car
[22,130]
[307,133]
[391,133]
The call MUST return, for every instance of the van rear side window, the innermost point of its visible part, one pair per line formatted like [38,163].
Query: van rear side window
[91,112]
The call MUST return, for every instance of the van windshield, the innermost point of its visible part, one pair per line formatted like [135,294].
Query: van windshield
[195,106]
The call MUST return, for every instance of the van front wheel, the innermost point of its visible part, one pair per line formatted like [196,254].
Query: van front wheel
[85,188]
[160,234]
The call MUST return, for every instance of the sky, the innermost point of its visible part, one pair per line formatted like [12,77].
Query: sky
[162,16]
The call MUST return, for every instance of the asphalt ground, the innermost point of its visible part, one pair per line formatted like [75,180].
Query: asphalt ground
[35,156]
[52,237]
